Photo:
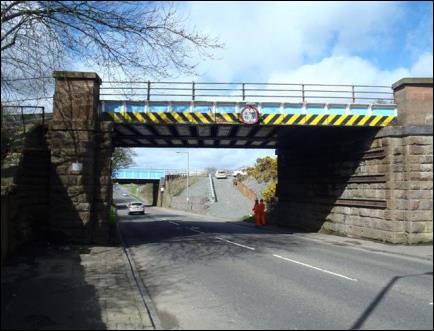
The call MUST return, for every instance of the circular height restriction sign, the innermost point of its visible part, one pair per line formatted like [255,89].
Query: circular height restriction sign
[249,115]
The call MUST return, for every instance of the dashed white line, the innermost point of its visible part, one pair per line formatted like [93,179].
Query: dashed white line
[251,248]
[316,268]
[171,222]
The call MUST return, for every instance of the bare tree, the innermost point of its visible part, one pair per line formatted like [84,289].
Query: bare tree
[122,158]
[137,39]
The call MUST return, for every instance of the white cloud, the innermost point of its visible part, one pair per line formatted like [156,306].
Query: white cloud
[265,37]
[340,70]
[423,67]
[352,70]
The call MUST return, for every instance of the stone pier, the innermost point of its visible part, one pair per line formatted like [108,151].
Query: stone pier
[80,177]
[365,183]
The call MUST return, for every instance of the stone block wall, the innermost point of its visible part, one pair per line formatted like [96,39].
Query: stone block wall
[25,191]
[410,186]
[376,186]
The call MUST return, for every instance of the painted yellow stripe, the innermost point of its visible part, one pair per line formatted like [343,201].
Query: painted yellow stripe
[279,119]
[139,117]
[227,117]
[113,116]
[164,117]
[305,119]
[126,116]
[293,118]
[119,117]
[375,121]
[202,118]
[340,120]
[364,120]
[329,119]
[177,117]
[190,117]
[388,120]
[268,118]
[153,118]
[316,120]
[352,120]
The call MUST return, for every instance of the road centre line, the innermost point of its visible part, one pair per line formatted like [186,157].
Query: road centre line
[251,248]
[316,268]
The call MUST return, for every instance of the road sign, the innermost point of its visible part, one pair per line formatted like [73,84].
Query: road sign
[249,115]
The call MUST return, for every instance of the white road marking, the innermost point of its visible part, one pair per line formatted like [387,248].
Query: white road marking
[171,222]
[251,248]
[316,268]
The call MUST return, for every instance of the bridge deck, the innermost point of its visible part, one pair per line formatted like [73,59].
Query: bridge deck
[218,124]
[206,113]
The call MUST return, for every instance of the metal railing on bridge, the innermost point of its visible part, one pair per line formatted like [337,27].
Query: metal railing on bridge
[289,92]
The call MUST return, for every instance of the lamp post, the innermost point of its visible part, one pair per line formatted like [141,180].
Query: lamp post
[188,173]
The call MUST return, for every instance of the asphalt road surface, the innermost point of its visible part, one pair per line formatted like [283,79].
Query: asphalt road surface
[207,273]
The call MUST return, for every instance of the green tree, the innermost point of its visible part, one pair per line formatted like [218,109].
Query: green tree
[264,170]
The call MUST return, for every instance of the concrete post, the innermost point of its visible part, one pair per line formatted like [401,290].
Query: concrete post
[75,141]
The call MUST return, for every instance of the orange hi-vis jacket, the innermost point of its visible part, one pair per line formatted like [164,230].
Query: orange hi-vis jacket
[260,208]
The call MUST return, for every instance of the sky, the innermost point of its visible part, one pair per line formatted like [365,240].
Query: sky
[373,43]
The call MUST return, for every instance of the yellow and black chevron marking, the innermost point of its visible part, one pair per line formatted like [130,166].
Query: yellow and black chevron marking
[233,118]
[327,119]
[162,117]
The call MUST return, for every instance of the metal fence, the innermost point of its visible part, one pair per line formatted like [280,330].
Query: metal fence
[20,117]
[194,91]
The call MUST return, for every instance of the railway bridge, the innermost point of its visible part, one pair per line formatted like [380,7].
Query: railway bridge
[352,160]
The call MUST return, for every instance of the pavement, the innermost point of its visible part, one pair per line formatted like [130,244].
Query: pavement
[46,287]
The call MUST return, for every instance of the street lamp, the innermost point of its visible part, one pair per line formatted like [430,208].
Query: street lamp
[188,173]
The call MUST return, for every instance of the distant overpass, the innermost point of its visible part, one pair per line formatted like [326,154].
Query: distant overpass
[144,175]
[139,174]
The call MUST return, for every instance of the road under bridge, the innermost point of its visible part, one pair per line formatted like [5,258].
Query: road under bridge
[361,167]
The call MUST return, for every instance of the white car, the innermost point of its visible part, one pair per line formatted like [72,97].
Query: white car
[237,173]
[136,207]
[221,174]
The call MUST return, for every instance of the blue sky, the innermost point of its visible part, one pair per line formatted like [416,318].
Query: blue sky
[311,42]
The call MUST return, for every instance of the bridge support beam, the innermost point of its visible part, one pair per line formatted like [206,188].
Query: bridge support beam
[373,184]
[80,178]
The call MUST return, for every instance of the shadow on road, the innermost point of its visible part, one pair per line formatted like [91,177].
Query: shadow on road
[373,305]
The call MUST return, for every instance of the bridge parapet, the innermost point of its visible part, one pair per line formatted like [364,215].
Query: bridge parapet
[271,114]
[222,103]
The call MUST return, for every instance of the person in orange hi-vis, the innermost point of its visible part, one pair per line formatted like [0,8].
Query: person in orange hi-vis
[256,211]
[261,212]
